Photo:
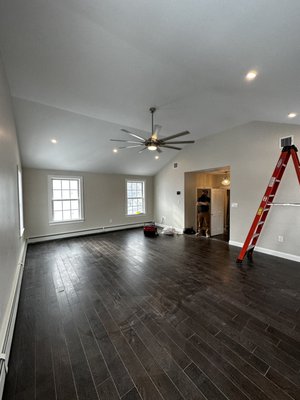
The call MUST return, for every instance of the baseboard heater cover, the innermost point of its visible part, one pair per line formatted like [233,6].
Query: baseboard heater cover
[6,346]
[85,232]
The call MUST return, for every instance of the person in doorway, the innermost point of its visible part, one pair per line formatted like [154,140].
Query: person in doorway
[203,217]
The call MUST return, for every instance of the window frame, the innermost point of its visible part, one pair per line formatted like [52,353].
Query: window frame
[20,201]
[143,181]
[50,199]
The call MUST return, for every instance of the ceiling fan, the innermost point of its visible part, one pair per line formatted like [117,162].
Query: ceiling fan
[153,142]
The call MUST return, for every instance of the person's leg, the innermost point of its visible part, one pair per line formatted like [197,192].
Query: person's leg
[207,224]
[198,224]
[202,223]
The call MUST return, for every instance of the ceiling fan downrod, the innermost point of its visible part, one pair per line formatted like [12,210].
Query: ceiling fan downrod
[152,110]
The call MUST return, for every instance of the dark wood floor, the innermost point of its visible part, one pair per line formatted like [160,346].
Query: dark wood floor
[121,316]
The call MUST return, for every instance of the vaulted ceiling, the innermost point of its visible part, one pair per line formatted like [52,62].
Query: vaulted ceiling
[81,70]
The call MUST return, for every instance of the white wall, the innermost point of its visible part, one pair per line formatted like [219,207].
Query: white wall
[104,200]
[11,245]
[251,151]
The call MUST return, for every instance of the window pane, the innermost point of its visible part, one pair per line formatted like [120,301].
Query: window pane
[65,194]
[57,216]
[74,185]
[74,194]
[65,184]
[74,214]
[57,205]
[67,215]
[56,184]
[75,205]
[66,205]
[56,194]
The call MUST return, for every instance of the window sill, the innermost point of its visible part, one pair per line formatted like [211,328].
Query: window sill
[71,221]
[136,215]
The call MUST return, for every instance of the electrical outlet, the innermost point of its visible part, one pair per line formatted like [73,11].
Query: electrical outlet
[280,238]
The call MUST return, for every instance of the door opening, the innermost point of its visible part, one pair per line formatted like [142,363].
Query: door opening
[219,195]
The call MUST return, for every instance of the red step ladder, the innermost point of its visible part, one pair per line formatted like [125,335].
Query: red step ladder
[267,200]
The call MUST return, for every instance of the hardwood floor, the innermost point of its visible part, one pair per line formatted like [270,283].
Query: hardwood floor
[121,316]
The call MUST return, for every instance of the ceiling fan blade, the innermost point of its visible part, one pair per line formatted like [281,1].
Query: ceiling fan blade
[156,131]
[125,141]
[158,150]
[176,135]
[130,147]
[133,134]
[170,147]
[143,149]
[180,142]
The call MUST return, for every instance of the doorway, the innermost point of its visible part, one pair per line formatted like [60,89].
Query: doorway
[217,183]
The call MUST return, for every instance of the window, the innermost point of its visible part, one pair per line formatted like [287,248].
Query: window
[65,200]
[135,197]
[20,202]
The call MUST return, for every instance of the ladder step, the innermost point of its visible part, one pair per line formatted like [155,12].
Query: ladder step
[266,209]
[261,223]
[255,236]
[277,180]
[251,247]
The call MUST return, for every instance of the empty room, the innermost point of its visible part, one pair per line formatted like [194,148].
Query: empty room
[149,200]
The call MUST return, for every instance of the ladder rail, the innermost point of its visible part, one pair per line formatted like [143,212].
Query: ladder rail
[267,200]
[296,163]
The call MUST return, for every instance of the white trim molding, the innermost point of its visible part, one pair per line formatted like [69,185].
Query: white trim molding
[275,253]
[6,333]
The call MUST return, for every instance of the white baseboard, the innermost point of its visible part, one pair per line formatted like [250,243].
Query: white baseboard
[9,319]
[275,253]
[83,232]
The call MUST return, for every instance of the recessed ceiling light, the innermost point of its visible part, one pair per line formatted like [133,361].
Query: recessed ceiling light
[156,157]
[292,115]
[115,150]
[54,141]
[251,75]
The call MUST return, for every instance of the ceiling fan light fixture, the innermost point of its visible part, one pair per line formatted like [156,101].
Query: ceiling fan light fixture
[152,147]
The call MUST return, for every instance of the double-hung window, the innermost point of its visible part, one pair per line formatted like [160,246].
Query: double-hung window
[65,199]
[135,191]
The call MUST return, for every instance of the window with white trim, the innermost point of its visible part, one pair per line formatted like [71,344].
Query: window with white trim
[135,192]
[20,201]
[65,199]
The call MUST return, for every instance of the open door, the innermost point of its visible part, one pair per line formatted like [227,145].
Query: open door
[217,212]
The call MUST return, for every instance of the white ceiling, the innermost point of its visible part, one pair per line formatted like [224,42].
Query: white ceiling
[79,70]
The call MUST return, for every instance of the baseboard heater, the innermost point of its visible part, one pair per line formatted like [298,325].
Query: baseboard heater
[85,232]
[6,347]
